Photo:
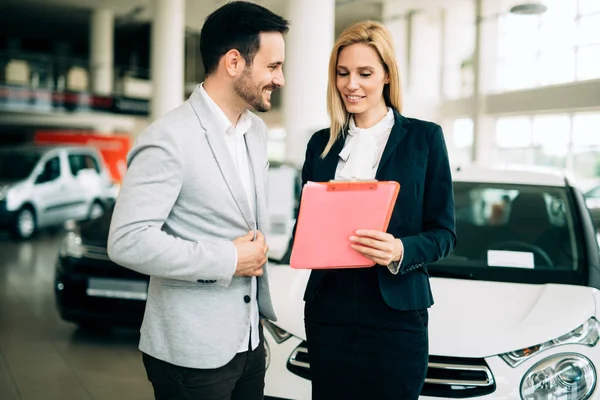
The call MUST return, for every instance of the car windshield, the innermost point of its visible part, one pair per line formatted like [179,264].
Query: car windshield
[516,233]
[17,165]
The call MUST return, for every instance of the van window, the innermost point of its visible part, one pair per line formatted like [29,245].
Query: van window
[78,162]
[51,171]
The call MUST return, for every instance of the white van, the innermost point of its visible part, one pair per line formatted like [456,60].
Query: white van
[42,186]
[516,304]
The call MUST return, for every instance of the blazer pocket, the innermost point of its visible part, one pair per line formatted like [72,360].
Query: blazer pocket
[175,283]
[207,281]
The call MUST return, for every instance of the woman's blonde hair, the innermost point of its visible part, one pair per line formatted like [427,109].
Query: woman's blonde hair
[379,38]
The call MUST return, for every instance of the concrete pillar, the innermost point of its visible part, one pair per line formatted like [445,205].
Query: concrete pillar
[308,47]
[167,56]
[398,22]
[417,34]
[482,151]
[102,31]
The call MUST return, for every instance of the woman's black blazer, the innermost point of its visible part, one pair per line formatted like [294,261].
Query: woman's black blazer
[423,217]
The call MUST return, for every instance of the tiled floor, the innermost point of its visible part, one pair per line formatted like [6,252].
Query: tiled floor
[45,358]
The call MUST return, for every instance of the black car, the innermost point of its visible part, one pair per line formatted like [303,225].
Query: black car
[91,290]
[94,292]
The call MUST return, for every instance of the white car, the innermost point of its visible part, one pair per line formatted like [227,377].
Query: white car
[43,186]
[516,306]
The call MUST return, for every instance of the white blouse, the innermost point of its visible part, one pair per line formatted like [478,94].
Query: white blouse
[363,149]
[361,155]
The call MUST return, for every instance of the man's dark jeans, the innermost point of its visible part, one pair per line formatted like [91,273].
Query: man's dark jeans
[243,378]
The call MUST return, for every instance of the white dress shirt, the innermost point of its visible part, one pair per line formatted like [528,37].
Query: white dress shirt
[361,155]
[234,138]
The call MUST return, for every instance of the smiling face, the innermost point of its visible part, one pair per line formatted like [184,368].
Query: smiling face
[360,80]
[258,80]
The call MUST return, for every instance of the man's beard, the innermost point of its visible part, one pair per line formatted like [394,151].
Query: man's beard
[251,94]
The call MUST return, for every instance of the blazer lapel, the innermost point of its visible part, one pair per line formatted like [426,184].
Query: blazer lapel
[220,151]
[396,135]
[257,162]
[330,162]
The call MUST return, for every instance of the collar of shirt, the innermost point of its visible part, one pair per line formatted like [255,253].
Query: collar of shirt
[243,124]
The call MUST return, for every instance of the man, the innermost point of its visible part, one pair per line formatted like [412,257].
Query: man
[192,211]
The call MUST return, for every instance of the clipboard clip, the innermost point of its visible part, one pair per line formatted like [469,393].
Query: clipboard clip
[344,186]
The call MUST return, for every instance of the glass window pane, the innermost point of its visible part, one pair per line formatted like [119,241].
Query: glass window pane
[588,6]
[551,136]
[558,34]
[588,30]
[513,132]
[586,162]
[559,10]
[552,133]
[518,73]
[519,156]
[588,62]
[452,83]
[462,136]
[518,35]
[586,130]
[557,67]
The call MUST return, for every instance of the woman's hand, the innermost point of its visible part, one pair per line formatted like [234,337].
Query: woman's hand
[381,247]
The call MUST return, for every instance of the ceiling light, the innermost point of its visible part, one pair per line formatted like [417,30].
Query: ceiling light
[529,8]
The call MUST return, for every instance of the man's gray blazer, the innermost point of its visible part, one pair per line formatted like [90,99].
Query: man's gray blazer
[180,206]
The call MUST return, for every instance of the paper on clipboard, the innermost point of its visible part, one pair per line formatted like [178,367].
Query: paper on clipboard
[330,212]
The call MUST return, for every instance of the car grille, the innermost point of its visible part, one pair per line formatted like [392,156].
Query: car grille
[458,378]
[95,252]
[448,377]
[3,212]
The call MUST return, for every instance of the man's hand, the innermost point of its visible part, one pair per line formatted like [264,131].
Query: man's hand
[381,247]
[251,254]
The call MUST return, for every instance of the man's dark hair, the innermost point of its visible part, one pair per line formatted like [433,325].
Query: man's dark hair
[236,25]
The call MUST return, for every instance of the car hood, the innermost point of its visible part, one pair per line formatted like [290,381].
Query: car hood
[469,318]
[95,232]
[10,182]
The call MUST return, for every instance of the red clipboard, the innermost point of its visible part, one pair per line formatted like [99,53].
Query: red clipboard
[330,212]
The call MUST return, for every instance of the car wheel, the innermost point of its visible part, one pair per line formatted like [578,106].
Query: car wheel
[24,225]
[96,210]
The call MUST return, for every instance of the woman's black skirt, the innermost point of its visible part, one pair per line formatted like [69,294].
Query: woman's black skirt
[359,347]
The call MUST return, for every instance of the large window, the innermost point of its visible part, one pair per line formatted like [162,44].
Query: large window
[276,144]
[562,45]
[550,139]
[569,141]
[586,144]
[513,140]
[462,141]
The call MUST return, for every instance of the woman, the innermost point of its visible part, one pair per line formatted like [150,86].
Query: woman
[367,327]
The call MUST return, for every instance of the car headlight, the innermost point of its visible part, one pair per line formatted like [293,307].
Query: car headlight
[562,376]
[279,335]
[3,192]
[586,334]
[267,355]
[71,246]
